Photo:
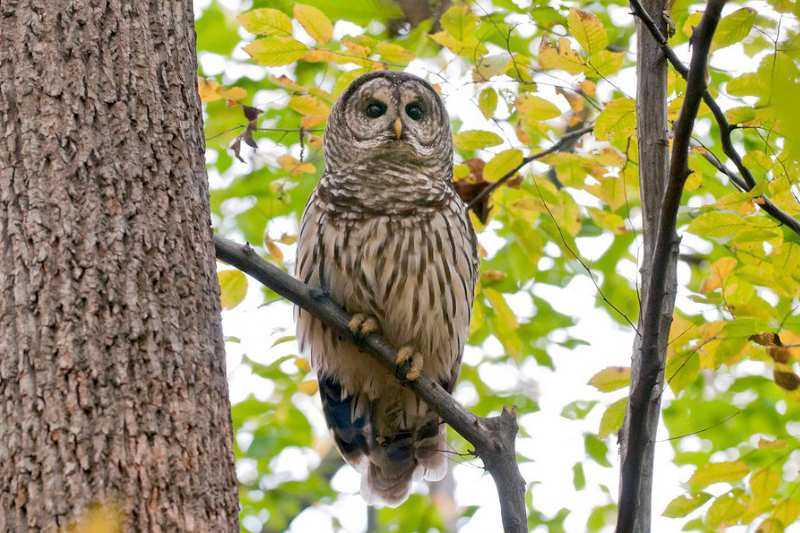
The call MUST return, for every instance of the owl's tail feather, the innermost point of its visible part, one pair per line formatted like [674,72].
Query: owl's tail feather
[391,441]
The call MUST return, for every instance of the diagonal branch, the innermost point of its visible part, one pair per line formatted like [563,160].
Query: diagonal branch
[724,126]
[645,389]
[565,139]
[493,437]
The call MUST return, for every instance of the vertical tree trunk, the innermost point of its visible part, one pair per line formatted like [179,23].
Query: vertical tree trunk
[636,473]
[112,370]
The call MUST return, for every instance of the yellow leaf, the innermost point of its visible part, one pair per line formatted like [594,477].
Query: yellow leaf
[302,364]
[535,108]
[732,28]
[764,482]
[588,86]
[233,288]
[276,50]
[608,220]
[720,270]
[267,21]
[394,53]
[309,106]
[487,102]
[287,83]
[605,63]
[355,48]
[100,519]
[211,90]
[766,444]
[786,510]
[740,114]
[611,378]
[617,120]
[727,471]
[564,58]
[477,317]
[770,525]
[319,56]
[295,167]
[588,30]
[501,308]
[726,509]
[273,248]
[314,21]
[309,387]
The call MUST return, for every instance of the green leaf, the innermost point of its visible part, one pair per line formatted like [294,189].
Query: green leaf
[588,30]
[533,109]
[233,287]
[685,504]
[740,114]
[597,450]
[314,21]
[617,120]
[487,102]
[578,477]
[476,139]
[267,21]
[611,378]
[276,50]
[734,27]
[459,22]
[502,163]
[605,63]
[710,473]
[613,417]
[501,308]
[719,224]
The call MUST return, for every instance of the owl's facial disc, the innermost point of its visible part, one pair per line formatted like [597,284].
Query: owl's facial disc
[395,115]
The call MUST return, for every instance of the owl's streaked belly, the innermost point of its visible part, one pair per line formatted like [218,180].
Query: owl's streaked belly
[408,274]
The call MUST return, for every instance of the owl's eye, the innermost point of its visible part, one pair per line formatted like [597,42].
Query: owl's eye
[376,109]
[414,111]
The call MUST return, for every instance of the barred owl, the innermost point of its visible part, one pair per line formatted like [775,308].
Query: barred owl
[385,234]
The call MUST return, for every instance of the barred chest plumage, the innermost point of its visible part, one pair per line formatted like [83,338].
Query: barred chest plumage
[404,256]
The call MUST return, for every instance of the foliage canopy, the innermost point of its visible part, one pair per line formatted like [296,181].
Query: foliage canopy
[517,76]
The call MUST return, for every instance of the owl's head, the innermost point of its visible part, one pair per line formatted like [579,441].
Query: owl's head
[386,114]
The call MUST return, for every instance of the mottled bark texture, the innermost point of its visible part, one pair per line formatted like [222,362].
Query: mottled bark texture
[112,369]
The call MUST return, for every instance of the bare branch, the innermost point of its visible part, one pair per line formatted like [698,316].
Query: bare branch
[645,389]
[493,438]
[724,127]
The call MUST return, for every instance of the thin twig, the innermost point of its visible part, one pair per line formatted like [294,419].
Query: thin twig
[566,138]
[493,438]
[724,127]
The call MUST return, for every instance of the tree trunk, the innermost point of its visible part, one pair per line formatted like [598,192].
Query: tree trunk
[112,369]
[638,443]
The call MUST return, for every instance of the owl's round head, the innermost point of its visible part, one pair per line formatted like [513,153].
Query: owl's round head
[385,114]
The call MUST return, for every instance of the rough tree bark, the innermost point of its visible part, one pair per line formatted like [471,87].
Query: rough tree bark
[653,132]
[112,369]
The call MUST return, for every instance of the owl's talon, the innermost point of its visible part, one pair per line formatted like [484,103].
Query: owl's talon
[407,353]
[362,325]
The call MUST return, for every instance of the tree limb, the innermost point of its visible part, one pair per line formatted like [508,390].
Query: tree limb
[724,126]
[493,437]
[646,389]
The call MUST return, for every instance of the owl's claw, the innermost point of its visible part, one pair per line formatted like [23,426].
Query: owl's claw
[362,325]
[404,354]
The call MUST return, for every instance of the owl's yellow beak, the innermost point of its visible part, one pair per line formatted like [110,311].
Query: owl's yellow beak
[398,128]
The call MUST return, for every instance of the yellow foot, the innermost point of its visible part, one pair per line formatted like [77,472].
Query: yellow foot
[406,353]
[362,325]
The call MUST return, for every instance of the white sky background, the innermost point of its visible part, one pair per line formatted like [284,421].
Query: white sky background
[556,443]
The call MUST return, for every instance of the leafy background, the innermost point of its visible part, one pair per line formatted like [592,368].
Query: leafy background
[558,295]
